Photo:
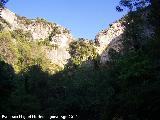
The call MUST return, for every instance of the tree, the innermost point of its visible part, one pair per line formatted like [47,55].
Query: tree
[6,84]
[3,2]
[133,4]
[82,51]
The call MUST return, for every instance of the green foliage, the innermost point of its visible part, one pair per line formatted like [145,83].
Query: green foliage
[56,30]
[134,36]
[24,20]
[6,84]
[18,49]
[5,22]
[24,104]
[44,42]
[66,31]
[134,78]
[3,2]
[81,51]
[8,50]
[35,80]
[33,54]
[133,5]
[128,89]
[136,74]
[19,34]
[44,22]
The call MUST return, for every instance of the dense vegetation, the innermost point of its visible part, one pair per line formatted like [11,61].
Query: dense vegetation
[82,52]
[18,49]
[129,89]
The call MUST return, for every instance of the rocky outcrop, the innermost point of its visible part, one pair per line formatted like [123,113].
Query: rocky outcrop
[60,37]
[41,29]
[109,38]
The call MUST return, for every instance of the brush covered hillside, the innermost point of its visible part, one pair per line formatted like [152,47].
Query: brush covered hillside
[33,41]
[44,71]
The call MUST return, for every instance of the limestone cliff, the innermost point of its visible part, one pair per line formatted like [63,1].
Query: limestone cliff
[109,38]
[41,29]
[112,37]
[60,37]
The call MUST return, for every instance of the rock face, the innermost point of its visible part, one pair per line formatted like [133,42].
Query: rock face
[9,16]
[41,29]
[60,37]
[109,38]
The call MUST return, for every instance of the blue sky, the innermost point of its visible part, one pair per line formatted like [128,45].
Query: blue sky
[85,18]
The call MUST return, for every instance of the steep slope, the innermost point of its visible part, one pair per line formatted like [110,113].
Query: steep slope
[109,38]
[113,37]
[58,38]
[41,30]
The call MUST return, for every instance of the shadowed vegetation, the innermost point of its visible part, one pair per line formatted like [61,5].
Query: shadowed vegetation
[128,89]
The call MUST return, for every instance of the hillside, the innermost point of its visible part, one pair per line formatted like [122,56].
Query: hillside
[44,71]
[40,30]
[56,39]
[111,39]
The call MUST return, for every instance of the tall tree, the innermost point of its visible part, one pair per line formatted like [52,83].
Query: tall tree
[133,4]
[3,2]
